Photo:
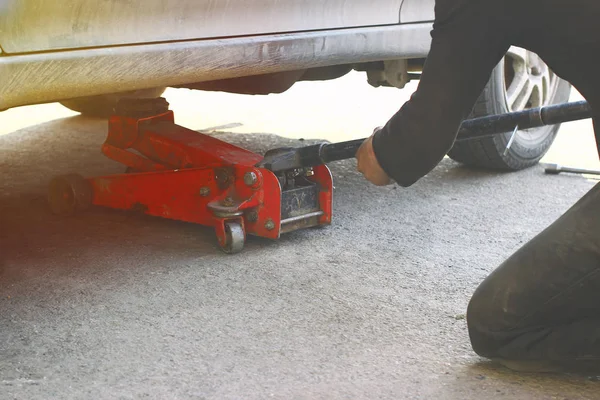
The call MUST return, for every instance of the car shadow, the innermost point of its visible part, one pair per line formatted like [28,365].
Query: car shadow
[31,237]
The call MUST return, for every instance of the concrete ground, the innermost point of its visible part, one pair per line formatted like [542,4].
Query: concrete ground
[110,305]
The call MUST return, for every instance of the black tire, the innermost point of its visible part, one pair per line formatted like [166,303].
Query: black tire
[103,106]
[529,146]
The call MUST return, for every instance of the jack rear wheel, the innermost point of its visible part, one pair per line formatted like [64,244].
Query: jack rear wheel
[68,194]
[234,238]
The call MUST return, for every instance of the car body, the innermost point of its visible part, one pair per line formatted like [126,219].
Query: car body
[55,50]
[88,53]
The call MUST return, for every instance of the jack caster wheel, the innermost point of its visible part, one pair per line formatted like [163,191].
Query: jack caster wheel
[234,238]
[68,194]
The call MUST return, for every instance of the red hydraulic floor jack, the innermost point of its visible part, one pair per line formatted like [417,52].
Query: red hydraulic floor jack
[180,174]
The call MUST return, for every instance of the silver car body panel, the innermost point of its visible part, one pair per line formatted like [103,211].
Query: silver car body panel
[417,11]
[43,25]
[46,77]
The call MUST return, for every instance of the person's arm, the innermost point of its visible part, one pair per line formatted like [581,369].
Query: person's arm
[468,42]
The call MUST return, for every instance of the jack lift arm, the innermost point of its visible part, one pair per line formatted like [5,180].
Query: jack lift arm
[180,174]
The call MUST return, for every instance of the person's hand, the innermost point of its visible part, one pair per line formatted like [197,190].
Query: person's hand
[369,166]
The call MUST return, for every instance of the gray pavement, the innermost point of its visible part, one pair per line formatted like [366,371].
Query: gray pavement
[108,305]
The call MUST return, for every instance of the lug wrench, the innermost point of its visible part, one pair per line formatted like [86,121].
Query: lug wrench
[555,169]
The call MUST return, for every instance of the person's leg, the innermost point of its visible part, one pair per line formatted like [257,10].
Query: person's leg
[542,305]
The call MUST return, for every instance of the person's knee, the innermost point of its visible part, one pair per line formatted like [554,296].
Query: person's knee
[488,321]
[478,314]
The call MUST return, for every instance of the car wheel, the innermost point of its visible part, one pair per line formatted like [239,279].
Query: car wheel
[103,106]
[521,81]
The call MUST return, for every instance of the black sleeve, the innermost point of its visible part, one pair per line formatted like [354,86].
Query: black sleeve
[468,42]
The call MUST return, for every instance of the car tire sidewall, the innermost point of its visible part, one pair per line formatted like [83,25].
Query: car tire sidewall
[523,150]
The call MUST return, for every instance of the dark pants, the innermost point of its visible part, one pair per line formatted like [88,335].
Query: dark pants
[543,303]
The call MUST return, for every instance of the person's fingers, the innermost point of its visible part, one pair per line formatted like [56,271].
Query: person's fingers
[368,165]
[359,164]
[361,157]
